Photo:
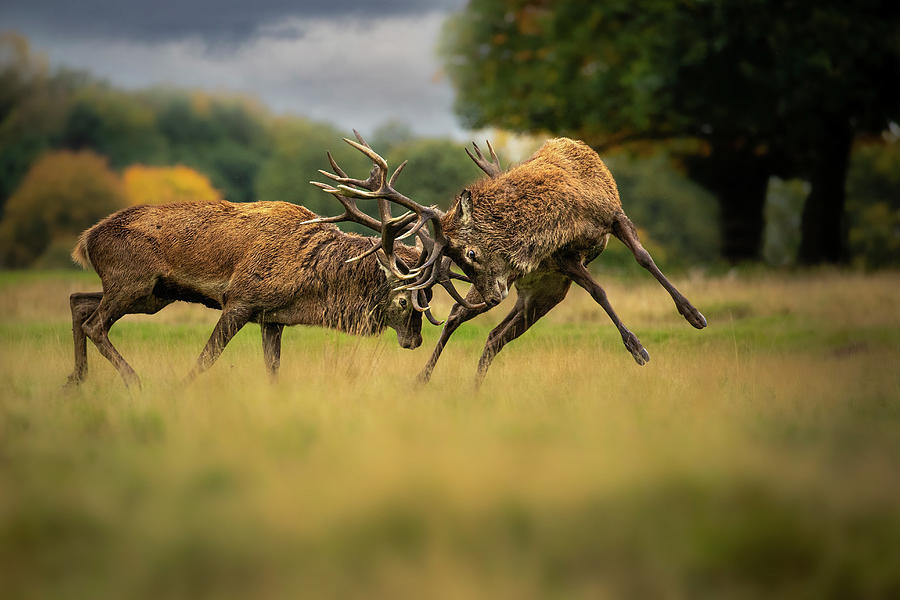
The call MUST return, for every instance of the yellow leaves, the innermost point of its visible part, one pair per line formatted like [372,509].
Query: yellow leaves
[68,187]
[164,185]
[200,103]
[62,194]
[65,192]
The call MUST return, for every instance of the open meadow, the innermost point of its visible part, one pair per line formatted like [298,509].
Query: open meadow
[758,457]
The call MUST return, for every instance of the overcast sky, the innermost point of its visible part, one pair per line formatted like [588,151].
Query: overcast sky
[356,63]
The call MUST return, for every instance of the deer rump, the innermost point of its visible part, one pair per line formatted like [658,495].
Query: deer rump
[254,261]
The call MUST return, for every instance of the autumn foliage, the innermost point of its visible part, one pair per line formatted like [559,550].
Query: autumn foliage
[164,185]
[62,194]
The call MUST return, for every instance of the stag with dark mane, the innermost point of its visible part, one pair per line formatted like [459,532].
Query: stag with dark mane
[536,226]
[266,262]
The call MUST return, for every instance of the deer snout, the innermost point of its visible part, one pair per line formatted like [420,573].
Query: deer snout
[495,292]
[410,342]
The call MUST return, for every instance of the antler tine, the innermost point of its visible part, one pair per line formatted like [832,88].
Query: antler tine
[423,307]
[444,277]
[431,276]
[453,275]
[428,269]
[417,301]
[446,269]
[397,173]
[334,165]
[425,270]
[491,167]
[360,138]
[420,223]
[447,285]
[367,150]
[431,318]
[494,157]
[351,211]
[373,250]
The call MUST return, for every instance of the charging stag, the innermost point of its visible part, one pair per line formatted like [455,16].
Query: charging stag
[266,262]
[535,226]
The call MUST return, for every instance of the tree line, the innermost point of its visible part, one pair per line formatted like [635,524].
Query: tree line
[74,148]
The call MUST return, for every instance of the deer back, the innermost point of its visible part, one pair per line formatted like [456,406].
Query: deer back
[257,253]
[563,196]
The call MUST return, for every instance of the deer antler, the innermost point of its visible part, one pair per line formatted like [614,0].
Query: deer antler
[431,268]
[491,167]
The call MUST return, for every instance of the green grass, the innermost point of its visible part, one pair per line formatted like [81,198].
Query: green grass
[758,457]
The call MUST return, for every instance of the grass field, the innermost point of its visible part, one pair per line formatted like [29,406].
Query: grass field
[759,457]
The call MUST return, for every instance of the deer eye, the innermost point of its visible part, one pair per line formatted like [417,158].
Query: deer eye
[403,302]
[471,255]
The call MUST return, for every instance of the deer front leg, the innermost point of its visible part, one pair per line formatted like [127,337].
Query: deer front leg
[580,275]
[531,305]
[625,231]
[458,315]
[231,321]
[83,306]
[271,342]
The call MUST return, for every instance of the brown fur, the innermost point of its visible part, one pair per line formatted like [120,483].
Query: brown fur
[563,196]
[538,225]
[253,260]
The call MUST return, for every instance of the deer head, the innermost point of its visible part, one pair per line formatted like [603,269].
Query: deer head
[438,249]
[471,244]
[400,308]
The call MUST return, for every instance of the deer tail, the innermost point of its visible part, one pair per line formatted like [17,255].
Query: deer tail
[79,253]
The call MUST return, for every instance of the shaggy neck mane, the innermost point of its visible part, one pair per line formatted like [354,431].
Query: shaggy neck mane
[355,293]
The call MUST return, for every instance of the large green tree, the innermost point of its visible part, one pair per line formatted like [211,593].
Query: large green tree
[763,87]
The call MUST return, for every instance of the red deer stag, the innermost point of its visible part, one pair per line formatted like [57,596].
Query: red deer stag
[546,219]
[263,262]
[536,225]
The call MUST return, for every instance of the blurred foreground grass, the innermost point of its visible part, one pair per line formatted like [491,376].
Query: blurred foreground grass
[758,457]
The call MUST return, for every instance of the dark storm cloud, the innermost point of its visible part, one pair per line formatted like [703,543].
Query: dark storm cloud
[355,63]
[218,21]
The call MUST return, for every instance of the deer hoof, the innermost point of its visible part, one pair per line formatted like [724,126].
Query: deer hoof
[423,377]
[693,316]
[72,382]
[641,356]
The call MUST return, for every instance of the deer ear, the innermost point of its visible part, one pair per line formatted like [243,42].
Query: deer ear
[464,203]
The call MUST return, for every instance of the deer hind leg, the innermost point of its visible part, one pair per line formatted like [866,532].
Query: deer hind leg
[113,306]
[83,306]
[532,304]
[576,271]
[271,342]
[624,229]
[458,315]
[231,321]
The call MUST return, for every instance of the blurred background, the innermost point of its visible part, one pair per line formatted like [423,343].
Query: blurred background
[756,144]
[737,131]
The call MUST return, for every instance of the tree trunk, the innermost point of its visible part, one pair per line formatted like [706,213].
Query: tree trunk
[823,228]
[739,182]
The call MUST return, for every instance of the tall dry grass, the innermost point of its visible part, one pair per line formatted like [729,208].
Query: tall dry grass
[757,457]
